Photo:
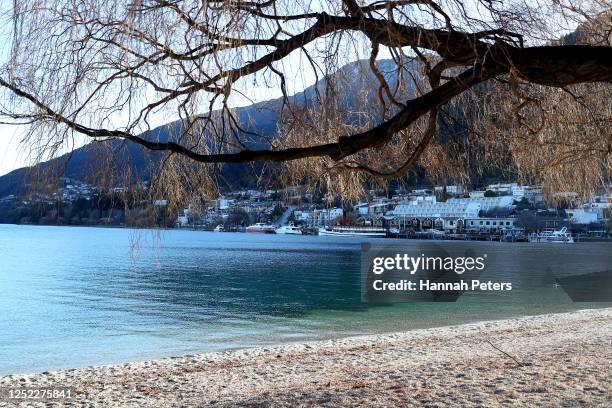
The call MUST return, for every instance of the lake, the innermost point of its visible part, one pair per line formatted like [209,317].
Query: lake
[77,296]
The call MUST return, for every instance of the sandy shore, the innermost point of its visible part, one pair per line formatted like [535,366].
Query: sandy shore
[550,360]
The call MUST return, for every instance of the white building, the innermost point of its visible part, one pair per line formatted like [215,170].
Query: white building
[183,218]
[581,216]
[534,194]
[515,190]
[489,224]
[600,203]
[453,215]
[223,203]
[377,208]
[421,192]
[454,189]
[519,192]
[362,208]
[502,188]
[318,217]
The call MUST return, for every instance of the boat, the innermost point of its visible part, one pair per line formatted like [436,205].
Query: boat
[353,231]
[261,228]
[219,228]
[552,236]
[289,229]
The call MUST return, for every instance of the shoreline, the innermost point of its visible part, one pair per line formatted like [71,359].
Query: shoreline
[551,359]
[420,239]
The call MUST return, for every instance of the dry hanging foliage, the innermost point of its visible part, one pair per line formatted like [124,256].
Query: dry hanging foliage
[466,84]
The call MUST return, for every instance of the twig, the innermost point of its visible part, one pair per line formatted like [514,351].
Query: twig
[506,354]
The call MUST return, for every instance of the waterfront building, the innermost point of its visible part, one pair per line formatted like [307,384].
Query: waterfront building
[427,213]
[489,224]
[318,217]
[582,216]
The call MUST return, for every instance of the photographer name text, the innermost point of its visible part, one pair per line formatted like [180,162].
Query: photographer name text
[427,285]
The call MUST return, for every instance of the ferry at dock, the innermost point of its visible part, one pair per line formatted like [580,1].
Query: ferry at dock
[261,228]
[353,231]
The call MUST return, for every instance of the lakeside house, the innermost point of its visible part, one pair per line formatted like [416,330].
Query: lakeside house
[318,217]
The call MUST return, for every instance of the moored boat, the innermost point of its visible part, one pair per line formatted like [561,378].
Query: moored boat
[552,236]
[289,229]
[261,228]
[219,228]
[353,231]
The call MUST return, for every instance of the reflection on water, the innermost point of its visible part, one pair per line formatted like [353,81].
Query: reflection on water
[78,296]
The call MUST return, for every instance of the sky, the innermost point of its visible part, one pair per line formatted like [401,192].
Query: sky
[9,135]
[10,159]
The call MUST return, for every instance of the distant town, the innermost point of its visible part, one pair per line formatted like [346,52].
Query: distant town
[500,211]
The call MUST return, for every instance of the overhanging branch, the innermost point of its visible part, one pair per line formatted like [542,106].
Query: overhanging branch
[487,54]
[345,146]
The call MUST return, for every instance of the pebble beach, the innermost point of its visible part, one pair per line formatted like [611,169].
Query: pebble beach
[548,360]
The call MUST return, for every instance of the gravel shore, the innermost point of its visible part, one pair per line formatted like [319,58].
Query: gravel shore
[549,360]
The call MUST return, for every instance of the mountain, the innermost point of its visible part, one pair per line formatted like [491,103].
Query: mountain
[260,118]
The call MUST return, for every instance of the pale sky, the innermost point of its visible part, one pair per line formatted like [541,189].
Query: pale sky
[9,159]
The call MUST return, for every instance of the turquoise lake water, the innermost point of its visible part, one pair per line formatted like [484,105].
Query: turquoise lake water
[72,297]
